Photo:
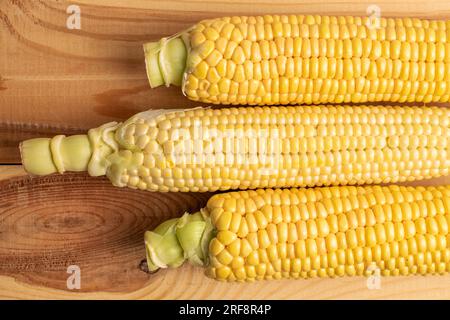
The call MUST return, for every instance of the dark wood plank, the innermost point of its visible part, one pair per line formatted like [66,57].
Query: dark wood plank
[50,223]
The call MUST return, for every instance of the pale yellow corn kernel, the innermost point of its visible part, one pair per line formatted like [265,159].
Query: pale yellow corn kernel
[314,170]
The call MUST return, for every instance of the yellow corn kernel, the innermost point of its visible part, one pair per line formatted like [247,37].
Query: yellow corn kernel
[397,63]
[390,237]
[247,148]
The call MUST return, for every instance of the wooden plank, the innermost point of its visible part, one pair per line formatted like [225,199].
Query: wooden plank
[57,80]
[187,284]
[49,223]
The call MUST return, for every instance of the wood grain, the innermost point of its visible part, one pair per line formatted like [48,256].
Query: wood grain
[47,224]
[56,80]
[188,283]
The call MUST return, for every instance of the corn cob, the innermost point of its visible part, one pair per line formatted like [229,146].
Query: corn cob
[295,59]
[304,233]
[207,149]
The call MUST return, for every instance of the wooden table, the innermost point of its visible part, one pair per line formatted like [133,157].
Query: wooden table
[59,80]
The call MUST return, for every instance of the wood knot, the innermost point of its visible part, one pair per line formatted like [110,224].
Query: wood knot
[143,266]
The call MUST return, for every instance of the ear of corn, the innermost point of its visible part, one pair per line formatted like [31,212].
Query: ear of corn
[300,59]
[259,147]
[320,232]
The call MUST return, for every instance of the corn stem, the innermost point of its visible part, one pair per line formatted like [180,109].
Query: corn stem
[43,156]
[165,61]
[177,240]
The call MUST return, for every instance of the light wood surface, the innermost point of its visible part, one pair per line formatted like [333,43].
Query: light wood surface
[55,80]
